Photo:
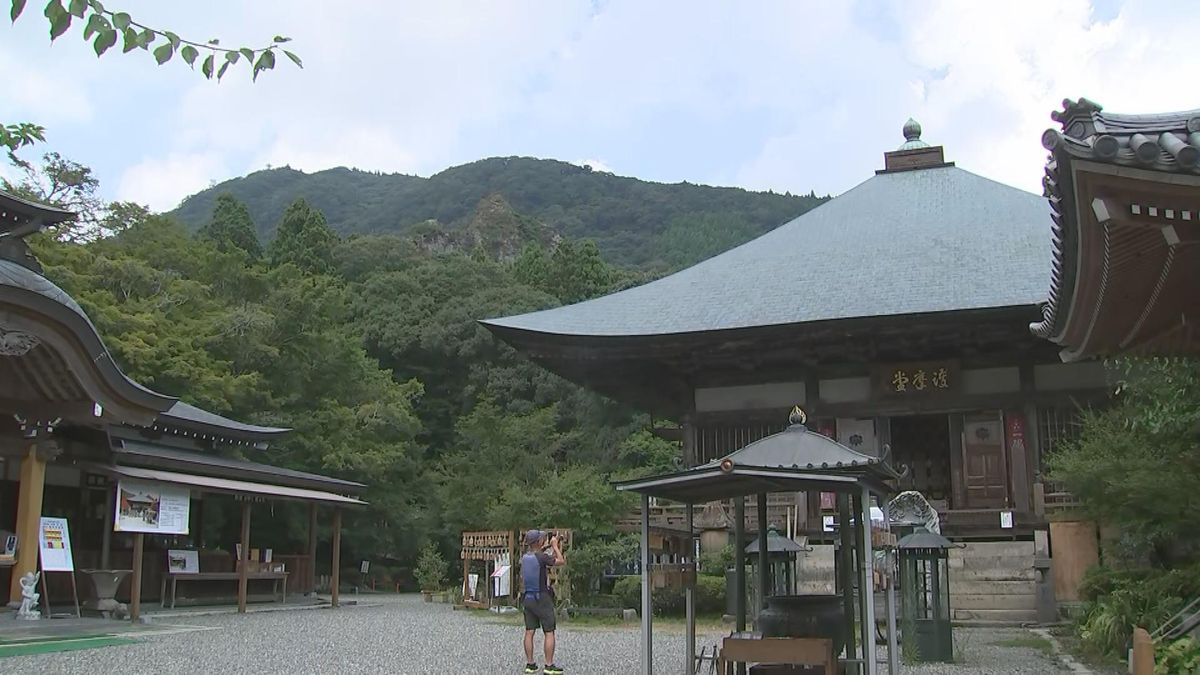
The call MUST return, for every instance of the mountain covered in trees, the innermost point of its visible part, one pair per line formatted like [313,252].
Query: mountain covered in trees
[634,223]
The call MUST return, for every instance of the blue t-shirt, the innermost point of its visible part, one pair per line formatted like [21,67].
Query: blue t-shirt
[533,572]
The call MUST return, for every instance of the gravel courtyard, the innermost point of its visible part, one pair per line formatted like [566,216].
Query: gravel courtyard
[404,635]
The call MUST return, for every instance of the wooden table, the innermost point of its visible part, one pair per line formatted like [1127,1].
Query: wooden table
[777,651]
[280,579]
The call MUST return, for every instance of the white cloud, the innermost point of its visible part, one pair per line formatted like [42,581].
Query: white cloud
[773,94]
[163,182]
[595,164]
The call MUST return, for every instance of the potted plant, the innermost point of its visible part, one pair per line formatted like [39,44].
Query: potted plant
[430,571]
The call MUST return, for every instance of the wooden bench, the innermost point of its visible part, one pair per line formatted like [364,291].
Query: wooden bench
[776,652]
[172,579]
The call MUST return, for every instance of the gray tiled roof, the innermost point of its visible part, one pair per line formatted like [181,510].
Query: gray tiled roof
[930,240]
[190,414]
[216,465]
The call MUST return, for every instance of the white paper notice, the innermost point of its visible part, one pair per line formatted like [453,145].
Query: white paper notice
[155,508]
[1006,520]
[54,543]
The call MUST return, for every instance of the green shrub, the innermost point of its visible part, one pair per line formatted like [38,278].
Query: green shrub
[710,594]
[629,592]
[431,569]
[1180,656]
[1146,599]
[671,601]
[715,563]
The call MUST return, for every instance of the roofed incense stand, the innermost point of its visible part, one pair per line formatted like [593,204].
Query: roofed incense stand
[795,459]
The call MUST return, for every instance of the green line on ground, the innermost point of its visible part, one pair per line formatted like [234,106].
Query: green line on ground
[50,638]
[49,647]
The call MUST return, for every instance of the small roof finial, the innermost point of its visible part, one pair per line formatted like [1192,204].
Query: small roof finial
[912,136]
[797,416]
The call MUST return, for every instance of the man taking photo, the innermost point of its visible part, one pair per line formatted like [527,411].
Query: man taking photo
[537,597]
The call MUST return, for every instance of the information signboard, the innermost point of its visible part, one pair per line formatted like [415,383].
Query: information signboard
[154,508]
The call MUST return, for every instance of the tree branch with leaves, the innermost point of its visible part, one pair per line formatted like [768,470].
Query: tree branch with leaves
[104,28]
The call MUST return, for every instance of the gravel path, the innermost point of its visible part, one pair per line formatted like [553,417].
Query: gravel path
[404,635]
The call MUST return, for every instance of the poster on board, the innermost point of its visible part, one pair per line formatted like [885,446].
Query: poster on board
[54,545]
[183,561]
[154,508]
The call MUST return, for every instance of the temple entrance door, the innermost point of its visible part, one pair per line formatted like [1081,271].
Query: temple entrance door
[984,464]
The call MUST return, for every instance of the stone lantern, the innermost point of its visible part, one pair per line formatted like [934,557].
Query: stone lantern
[925,596]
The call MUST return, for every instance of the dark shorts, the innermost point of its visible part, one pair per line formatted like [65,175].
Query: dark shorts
[539,612]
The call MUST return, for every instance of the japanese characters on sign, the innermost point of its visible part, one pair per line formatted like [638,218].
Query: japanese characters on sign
[917,379]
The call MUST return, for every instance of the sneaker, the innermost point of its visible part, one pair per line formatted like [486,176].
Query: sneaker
[531,669]
[552,670]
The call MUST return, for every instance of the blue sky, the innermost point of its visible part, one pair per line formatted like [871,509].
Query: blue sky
[792,96]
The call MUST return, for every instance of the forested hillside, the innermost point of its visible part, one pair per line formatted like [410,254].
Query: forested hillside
[635,223]
[369,347]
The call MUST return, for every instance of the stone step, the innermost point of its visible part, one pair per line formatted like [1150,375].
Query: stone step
[962,574]
[994,549]
[988,602]
[990,562]
[993,588]
[996,616]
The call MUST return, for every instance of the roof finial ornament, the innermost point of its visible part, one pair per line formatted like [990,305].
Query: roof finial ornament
[912,136]
[797,416]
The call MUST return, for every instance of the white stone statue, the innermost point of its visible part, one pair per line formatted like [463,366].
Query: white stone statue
[29,597]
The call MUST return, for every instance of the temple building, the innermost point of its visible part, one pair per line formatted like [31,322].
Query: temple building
[897,315]
[73,428]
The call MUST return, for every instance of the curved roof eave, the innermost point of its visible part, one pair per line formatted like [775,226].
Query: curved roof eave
[26,289]
[23,288]
[186,416]
[915,242]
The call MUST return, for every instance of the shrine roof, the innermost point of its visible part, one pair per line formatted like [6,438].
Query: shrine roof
[189,416]
[1167,142]
[936,239]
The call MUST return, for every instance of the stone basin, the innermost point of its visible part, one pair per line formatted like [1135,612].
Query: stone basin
[104,585]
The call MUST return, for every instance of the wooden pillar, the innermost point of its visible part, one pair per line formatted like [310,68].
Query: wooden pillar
[647,605]
[739,562]
[466,578]
[198,519]
[312,547]
[1016,437]
[958,481]
[336,572]
[106,535]
[29,515]
[689,593]
[764,567]
[845,567]
[135,584]
[689,442]
[244,558]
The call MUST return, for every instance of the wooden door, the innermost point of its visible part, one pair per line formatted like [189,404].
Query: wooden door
[984,464]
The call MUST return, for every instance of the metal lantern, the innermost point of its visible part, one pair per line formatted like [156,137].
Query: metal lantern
[925,596]
[781,561]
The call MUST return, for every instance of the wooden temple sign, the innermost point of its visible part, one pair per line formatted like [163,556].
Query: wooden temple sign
[910,380]
[487,545]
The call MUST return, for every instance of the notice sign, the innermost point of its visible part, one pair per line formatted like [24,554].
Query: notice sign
[151,507]
[54,544]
